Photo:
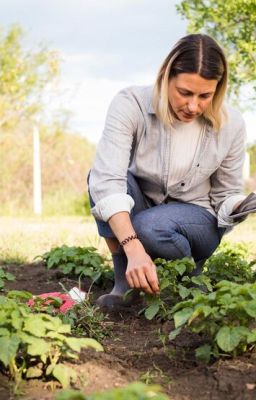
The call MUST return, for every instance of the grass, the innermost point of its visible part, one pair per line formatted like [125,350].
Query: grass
[22,239]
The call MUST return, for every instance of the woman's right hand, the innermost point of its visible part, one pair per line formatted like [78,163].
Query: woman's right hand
[141,271]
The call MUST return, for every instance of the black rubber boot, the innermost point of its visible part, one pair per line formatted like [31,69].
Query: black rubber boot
[197,271]
[115,299]
[199,268]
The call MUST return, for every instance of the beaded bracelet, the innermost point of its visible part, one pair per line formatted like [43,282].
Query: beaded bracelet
[128,239]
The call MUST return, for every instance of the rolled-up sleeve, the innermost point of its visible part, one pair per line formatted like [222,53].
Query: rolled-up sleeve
[227,181]
[108,176]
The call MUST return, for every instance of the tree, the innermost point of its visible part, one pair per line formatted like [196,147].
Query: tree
[233,24]
[24,76]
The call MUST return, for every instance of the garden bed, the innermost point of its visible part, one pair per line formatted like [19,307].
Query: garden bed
[134,352]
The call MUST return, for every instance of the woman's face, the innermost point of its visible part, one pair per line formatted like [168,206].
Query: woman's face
[190,95]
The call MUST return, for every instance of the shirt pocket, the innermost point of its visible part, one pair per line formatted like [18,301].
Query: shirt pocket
[202,174]
[206,171]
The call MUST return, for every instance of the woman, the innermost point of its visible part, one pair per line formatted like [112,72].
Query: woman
[168,168]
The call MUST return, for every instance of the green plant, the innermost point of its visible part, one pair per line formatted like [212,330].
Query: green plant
[33,345]
[153,374]
[5,276]
[83,317]
[229,262]
[134,391]
[225,317]
[82,261]
[175,283]
[87,319]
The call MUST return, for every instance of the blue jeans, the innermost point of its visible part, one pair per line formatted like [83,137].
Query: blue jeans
[171,231]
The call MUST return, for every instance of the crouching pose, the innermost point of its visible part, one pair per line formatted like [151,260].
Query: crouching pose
[168,168]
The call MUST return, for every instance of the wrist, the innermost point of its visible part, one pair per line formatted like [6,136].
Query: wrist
[128,239]
[132,246]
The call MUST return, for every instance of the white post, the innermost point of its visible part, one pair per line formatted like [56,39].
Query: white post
[246,169]
[37,190]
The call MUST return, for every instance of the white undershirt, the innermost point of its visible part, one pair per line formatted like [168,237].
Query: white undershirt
[185,143]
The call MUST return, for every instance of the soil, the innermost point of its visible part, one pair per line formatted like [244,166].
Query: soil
[134,352]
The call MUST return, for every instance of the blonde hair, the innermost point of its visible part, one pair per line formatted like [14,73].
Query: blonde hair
[198,54]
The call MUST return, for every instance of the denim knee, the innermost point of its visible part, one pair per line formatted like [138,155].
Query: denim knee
[159,241]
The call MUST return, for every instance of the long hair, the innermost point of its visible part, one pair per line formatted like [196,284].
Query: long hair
[200,54]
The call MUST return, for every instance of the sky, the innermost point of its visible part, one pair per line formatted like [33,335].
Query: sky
[104,46]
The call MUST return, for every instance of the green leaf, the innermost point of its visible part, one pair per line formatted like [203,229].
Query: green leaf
[77,343]
[9,346]
[38,347]
[34,372]
[34,325]
[203,353]
[151,311]
[70,395]
[181,317]
[200,309]
[251,337]
[10,277]
[228,338]
[89,342]
[180,268]
[64,375]
[250,308]
[165,282]
[17,321]
[19,295]
[183,291]
[174,333]
[55,335]
[4,332]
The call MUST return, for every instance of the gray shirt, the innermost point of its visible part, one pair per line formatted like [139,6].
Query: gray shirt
[135,139]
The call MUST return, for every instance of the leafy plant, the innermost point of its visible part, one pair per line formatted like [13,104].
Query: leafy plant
[175,283]
[134,391]
[225,317]
[32,345]
[229,262]
[5,276]
[82,261]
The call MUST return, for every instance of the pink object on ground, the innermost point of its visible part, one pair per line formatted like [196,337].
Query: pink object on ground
[67,304]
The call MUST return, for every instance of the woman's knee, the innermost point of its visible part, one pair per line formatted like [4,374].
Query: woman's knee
[160,239]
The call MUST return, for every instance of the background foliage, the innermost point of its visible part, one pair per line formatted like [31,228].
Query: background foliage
[65,159]
[232,24]
[26,76]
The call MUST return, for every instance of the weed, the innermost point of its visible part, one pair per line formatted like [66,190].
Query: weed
[154,374]
[87,319]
